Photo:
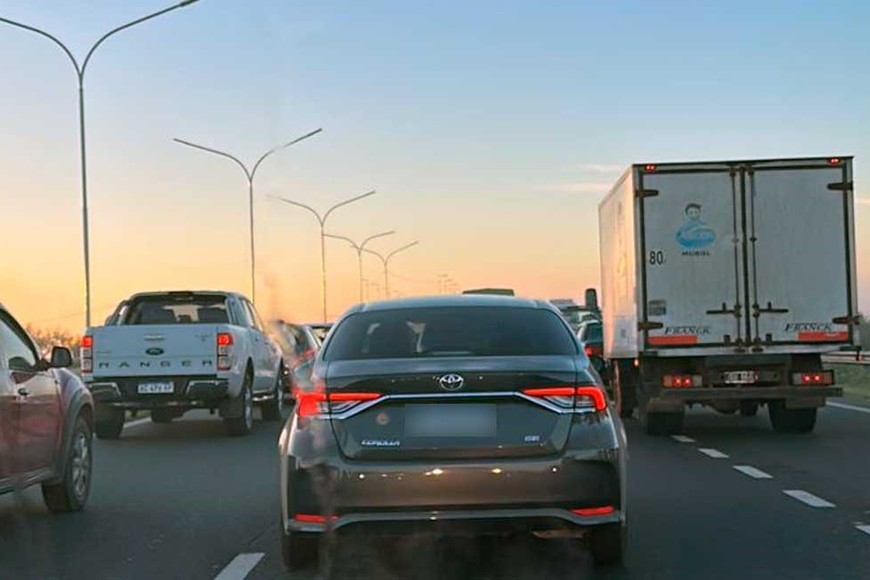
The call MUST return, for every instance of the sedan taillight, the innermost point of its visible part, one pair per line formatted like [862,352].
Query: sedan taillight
[580,398]
[318,402]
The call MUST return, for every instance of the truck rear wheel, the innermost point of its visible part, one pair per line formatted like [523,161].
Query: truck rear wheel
[670,423]
[791,420]
[624,381]
[748,408]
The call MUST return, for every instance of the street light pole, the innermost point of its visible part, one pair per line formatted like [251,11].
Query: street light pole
[249,175]
[80,76]
[386,262]
[321,219]
[359,252]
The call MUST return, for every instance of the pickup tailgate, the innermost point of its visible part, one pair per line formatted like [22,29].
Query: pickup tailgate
[155,350]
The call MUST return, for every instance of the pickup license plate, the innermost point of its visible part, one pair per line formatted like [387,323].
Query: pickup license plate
[740,377]
[156,388]
[450,420]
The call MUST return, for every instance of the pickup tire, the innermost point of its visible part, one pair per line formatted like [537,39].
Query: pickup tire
[791,420]
[242,425]
[274,408]
[607,544]
[109,424]
[163,416]
[71,493]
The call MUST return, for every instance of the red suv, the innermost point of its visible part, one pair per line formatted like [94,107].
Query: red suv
[46,421]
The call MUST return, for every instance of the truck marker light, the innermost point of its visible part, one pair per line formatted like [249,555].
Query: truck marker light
[649,167]
[834,161]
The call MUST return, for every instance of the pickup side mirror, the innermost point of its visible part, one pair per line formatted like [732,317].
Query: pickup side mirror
[61,357]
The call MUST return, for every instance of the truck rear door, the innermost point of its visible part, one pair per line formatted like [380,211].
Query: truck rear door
[693,264]
[154,350]
[800,251]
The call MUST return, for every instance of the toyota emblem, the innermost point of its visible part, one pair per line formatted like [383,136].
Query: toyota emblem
[451,382]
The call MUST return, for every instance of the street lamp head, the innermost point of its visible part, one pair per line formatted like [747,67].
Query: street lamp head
[186,3]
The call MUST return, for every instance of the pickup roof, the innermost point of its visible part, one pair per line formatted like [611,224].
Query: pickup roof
[169,352]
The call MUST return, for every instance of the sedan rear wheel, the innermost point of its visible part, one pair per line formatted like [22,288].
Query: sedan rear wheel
[299,550]
[607,544]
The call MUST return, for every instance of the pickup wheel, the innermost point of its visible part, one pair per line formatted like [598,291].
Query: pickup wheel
[110,424]
[273,408]
[791,420]
[162,416]
[299,550]
[242,425]
[71,493]
[607,544]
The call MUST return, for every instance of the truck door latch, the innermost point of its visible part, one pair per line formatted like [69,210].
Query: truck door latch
[725,310]
[758,310]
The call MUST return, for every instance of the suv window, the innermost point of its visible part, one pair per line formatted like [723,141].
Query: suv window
[451,331]
[18,353]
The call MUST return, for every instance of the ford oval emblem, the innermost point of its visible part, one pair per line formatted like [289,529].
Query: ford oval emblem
[154,351]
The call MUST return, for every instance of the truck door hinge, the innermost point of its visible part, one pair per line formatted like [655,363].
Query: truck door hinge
[649,325]
[849,320]
[642,193]
[841,186]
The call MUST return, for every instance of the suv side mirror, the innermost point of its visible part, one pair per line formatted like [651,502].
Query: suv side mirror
[61,357]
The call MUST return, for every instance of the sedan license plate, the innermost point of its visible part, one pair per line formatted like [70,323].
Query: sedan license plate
[156,388]
[455,420]
[740,377]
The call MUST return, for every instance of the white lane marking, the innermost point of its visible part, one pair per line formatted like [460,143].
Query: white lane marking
[849,407]
[714,453]
[136,423]
[865,529]
[753,472]
[808,498]
[682,438]
[240,567]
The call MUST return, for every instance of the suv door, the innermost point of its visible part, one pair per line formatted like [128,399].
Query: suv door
[37,396]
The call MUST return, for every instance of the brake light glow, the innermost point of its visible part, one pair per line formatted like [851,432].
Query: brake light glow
[834,161]
[593,350]
[224,344]
[86,353]
[594,511]
[682,381]
[312,518]
[814,378]
[649,167]
[320,403]
[582,398]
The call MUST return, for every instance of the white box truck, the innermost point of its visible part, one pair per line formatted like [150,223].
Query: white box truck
[722,285]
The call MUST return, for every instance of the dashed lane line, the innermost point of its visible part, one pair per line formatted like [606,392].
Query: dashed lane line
[807,498]
[682,438]
[753,472]
[849,407]
[714,453]
[240,567]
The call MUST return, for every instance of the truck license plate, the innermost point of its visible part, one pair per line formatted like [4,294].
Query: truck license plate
[155,388]
[740,377]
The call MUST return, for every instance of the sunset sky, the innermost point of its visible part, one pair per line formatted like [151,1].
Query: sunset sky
[490,129]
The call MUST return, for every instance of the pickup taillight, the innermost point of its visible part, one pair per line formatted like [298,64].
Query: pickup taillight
[86,353]
[224,342]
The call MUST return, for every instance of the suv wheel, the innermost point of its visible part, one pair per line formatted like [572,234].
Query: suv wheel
[71,493]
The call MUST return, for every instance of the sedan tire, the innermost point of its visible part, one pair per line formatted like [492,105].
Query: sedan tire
[607,544]
[299,550]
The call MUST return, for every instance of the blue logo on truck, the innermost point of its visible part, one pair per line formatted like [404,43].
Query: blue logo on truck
[694,233]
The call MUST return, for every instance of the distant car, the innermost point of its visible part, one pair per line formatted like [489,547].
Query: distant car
[299,346]
[320,329]
[459,414]
[591,335]
[46,421]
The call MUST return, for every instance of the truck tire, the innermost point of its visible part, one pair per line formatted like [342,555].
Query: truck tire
[109,424]
[71,493]
[624,381]
[670,423]
[791,420]
[299,550]
[273,409]
[242,425]
[607,544]
[748,408]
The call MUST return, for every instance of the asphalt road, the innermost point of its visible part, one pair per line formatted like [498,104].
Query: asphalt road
[185,501]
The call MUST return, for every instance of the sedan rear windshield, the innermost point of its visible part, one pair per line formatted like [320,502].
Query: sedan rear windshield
[181,309]
[450,331]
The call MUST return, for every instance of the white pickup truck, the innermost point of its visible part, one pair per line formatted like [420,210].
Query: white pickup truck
[169,352]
